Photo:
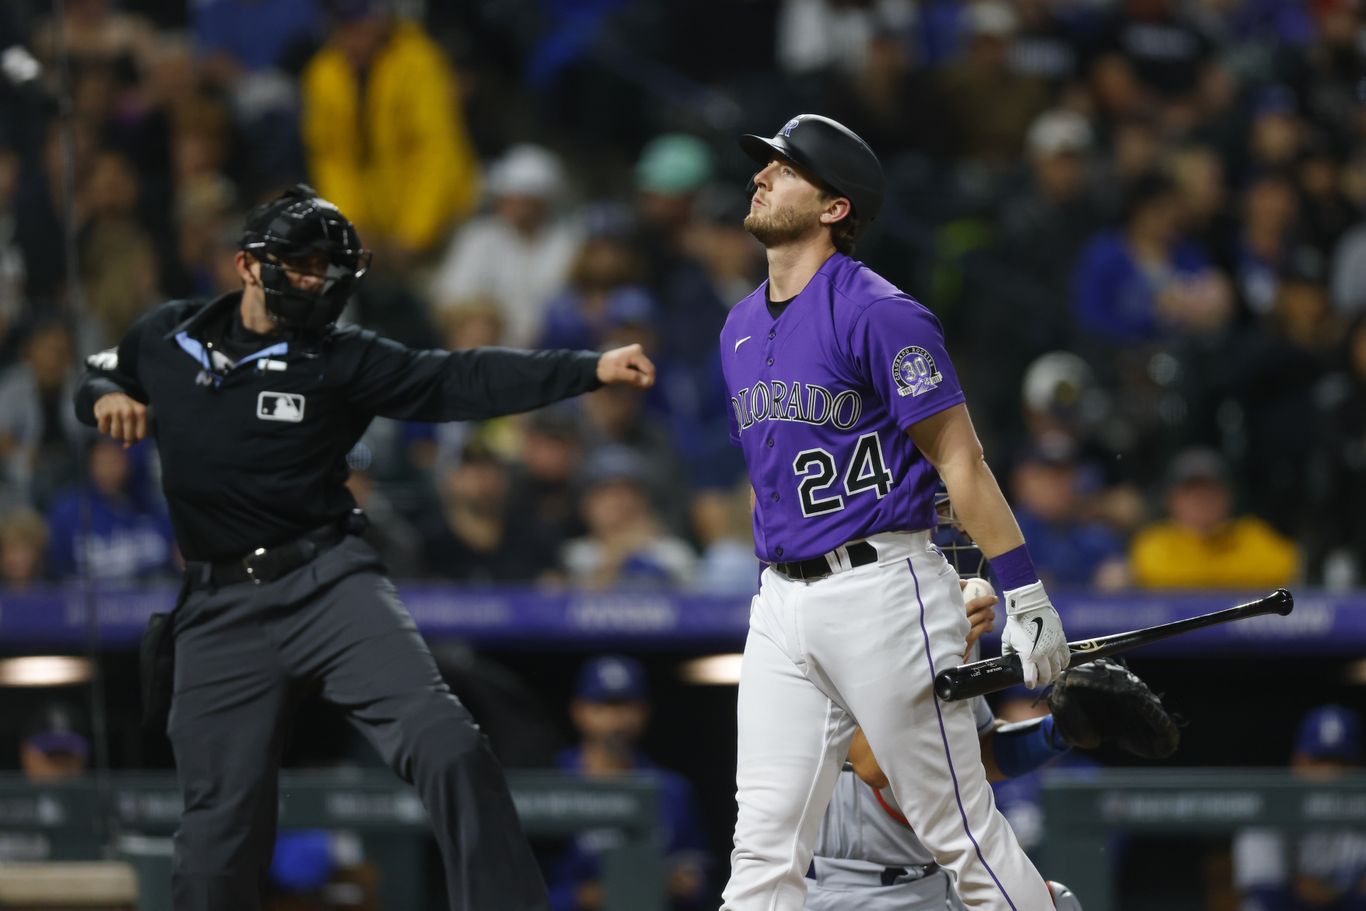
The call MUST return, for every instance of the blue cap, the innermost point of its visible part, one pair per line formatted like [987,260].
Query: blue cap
[303,859]
[611,678]
[1330,732]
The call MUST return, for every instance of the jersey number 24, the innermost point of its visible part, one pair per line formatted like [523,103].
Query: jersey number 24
[867,470]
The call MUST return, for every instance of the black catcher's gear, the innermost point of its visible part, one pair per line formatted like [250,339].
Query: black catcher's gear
[302,233]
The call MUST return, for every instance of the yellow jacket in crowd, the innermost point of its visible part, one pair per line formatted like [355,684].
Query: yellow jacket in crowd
[396,159]
[1242,553]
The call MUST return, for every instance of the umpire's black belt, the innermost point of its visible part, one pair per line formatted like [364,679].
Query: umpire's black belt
[266,564]
[860,553]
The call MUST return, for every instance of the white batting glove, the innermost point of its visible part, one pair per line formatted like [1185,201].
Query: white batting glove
[1034,632]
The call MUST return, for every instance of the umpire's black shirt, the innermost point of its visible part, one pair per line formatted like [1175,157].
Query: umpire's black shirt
[254,455]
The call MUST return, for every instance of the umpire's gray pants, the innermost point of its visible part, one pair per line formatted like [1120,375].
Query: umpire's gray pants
[335,623]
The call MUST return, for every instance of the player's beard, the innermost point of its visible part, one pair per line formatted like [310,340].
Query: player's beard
[775,227]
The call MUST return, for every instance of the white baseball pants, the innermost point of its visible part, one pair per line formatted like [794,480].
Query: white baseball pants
[861,647]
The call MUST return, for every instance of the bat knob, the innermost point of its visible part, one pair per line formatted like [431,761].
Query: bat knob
[1285,602]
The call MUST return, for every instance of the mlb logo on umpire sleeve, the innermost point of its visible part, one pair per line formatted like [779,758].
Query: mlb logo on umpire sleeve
[280,406]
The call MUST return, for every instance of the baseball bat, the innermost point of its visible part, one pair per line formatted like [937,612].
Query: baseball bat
[993,674]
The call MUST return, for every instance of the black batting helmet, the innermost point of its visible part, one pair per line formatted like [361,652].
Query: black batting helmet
[831,152]
[288,234]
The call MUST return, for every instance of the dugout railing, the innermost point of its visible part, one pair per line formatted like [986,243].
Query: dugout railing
[131,815]
[1084,813]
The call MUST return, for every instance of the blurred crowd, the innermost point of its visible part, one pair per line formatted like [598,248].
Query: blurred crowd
[1140,221]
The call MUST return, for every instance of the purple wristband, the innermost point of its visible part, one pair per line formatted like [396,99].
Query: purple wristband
[1014,569]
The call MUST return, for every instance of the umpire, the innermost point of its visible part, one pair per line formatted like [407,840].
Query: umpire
[254,399]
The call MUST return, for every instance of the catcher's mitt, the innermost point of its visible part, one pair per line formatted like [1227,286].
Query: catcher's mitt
[1103,701]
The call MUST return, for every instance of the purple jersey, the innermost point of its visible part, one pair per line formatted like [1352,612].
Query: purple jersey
[821,399]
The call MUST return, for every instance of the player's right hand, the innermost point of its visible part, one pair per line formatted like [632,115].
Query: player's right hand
[626,366]
[122,417]
[1034,632]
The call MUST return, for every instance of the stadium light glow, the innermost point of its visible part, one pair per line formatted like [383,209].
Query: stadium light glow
[44,670]
[714,670]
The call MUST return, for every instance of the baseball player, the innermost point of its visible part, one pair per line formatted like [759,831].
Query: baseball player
[868,858]
[255,399]
[849,413]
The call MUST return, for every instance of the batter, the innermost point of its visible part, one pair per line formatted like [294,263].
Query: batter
[849,413]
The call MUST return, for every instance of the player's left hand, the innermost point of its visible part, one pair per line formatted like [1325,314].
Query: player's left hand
[627,366]
[1034,632]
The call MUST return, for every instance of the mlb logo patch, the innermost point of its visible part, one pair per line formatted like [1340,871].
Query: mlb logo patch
[280,406]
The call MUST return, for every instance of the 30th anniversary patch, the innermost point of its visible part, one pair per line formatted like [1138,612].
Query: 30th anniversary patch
[914,372]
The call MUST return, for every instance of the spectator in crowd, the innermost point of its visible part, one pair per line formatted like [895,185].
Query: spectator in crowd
[1042,229]
[97,31]
[610,711]
[1349,271]
[622,421]
[721,521]
[1329,74]
[118,258]
[1069,549]
[389,532]
[1337,492]
[55,745]
[1323,868]
[1327,212]
[990,107]
[1167,55]
[1277,132]
[627,545]
[1060,398]
[208,226]
[891,103]
[1202,543]
[1145,281]
[815,37]
[518,254]
[234,38]
[321,870]
[543,487]
[23,544]
[734,263]
[1270,213]
[12,289]
[38,431]
[383,131]
[670,175]
[474,536]
[1272,371]
[105,528]
[1200,177]
[1047,46]
[605,276]
[473,322]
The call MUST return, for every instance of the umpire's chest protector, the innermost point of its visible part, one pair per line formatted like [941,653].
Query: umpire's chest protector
[274,422]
